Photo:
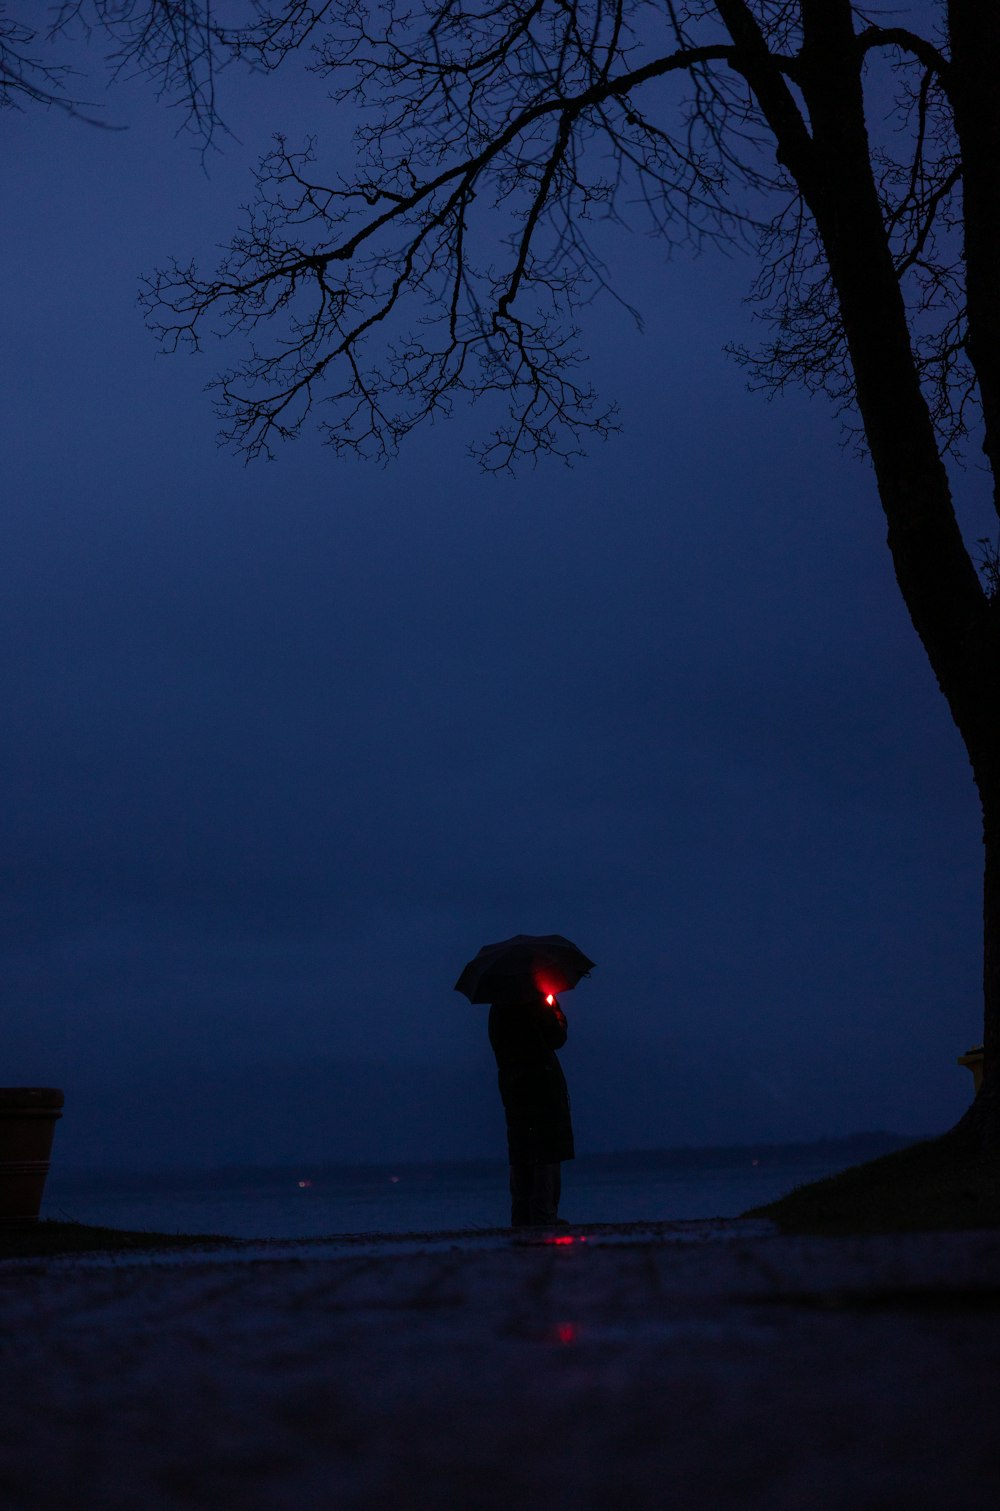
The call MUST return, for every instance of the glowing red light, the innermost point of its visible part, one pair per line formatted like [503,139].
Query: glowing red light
[551,1000]
[563,1239]
[566,1332]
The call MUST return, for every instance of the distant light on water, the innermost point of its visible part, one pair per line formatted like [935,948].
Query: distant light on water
[678,1187]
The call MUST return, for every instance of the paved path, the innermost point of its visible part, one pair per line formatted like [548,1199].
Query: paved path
[693,1365]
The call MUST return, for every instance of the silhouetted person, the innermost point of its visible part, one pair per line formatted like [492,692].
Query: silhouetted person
[525,1037]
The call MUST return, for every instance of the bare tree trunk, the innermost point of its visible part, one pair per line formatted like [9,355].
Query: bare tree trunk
[974,35]
[949,609]
[988,1110]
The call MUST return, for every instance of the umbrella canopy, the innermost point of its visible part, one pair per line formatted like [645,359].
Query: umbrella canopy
[519,967]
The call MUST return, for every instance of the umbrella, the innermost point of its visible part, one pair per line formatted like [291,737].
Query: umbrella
[519,967]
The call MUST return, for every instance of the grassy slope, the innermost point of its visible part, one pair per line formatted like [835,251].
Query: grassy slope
[942,1183]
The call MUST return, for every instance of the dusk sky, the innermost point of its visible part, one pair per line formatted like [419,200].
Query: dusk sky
[285,744]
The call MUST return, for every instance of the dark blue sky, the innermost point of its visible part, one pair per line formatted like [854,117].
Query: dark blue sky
[283,745]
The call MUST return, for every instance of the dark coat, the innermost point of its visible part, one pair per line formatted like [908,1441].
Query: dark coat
[525,1037]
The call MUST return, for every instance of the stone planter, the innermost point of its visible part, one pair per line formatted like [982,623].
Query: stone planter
[28,1117]
[973,1060]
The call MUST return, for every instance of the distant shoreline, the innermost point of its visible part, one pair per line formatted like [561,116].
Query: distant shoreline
[852,1148]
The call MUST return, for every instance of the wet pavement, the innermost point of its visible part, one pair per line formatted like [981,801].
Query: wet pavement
[684,1365]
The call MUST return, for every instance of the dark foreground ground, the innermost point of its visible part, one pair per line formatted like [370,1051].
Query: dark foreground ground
[688,1365]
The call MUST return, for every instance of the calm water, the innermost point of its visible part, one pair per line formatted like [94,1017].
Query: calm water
[291,1203]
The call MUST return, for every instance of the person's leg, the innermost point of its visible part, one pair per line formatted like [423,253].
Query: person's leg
[546,1187]
[521,1182]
